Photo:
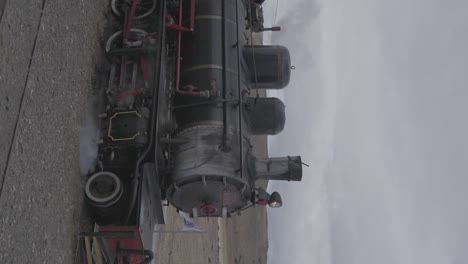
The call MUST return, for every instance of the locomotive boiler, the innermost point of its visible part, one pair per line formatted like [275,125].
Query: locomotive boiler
[179,113]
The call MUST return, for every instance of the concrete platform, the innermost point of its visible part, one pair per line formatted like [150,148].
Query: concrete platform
[47,57]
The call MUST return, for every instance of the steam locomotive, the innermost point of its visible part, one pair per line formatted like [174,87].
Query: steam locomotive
[178,117]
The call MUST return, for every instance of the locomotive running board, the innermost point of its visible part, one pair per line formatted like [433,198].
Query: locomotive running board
[152,192]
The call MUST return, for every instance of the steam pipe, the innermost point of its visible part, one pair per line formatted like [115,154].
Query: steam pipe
[226,144]
[130,18]
[179,29]
[240,94]
[179,40]
[192,15]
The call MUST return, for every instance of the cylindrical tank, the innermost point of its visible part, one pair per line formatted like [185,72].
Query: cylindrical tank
[210,61]
[265,116]
[269,66]
[280,169]
[206,181]
[206,178]
[212,169]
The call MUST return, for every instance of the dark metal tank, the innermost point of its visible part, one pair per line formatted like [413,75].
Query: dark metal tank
[213,170]
[210,60]
[269,66]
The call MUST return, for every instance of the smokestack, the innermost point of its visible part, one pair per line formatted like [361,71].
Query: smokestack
[279,169]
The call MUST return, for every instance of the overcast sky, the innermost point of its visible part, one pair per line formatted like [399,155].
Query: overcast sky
[377,106]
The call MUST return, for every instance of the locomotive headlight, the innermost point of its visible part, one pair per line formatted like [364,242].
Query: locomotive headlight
[275,200]
[275,205]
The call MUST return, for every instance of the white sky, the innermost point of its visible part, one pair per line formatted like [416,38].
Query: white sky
[377,106]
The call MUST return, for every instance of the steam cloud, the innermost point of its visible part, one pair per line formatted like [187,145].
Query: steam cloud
[89,136]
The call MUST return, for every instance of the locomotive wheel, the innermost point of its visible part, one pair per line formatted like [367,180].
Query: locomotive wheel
[103,189]
[144,8]
[116,39]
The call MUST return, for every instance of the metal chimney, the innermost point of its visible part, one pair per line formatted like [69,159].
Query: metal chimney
[279,169]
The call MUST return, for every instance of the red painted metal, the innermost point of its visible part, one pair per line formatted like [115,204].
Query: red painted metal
[179,26]
[125,243]
[192,15]
[144,69]
[208,209]
[181,29]
[127,94]
[130,19]
[179,40]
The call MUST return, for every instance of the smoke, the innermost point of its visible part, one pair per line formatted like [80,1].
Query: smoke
[310,115]
[396,186]
[296,27]
[89,136]
[298,21]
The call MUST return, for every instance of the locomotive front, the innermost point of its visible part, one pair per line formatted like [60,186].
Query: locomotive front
[213,169]
[177,118]
[185,135]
